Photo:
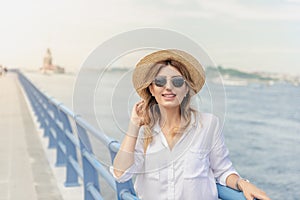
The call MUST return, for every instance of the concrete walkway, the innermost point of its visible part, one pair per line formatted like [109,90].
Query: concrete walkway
[25,172]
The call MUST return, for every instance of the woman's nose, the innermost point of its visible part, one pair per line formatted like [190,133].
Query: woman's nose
[169,84]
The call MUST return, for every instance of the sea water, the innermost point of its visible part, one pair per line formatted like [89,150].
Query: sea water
[261,125]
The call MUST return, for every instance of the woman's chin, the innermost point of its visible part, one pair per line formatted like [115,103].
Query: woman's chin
[170,104]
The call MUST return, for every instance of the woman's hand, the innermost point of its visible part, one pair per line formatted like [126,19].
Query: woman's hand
[136,114]
[125,156]
[251,191]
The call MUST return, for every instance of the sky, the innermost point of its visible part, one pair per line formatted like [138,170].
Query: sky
[250,35]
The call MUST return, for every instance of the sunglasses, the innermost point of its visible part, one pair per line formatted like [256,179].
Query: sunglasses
[161,81]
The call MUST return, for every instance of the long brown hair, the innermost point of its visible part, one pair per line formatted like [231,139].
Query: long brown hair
[151,113]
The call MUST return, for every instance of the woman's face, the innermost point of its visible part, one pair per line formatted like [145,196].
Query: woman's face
[167,94]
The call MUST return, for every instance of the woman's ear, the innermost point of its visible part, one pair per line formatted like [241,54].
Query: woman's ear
[187,91]
[151,89]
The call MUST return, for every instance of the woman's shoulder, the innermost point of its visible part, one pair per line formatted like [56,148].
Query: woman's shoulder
[207,130]
[205,118]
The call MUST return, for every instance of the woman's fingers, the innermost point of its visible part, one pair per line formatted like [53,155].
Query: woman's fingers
[252,192]
[259,194]
[262,196]
[137,111]
[139,107]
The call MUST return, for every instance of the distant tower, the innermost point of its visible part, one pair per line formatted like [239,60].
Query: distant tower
[48,60]
[48,66]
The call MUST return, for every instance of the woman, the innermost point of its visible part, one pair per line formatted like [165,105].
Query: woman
[175,152]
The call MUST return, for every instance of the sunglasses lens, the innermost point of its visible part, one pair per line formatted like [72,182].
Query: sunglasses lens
[177,81]
[160,81]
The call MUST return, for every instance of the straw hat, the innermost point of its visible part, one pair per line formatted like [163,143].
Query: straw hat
[142,68]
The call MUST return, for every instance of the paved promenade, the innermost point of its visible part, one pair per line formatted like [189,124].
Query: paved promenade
[26,168]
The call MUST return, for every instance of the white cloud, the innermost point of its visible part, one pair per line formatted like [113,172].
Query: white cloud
[237,10]
[293,1]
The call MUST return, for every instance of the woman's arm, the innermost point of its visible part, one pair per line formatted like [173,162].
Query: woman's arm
[125,156]
[224,171]
[250,191]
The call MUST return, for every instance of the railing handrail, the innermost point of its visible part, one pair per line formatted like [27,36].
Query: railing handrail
[56,119]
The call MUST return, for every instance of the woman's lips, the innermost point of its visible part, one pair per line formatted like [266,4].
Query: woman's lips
[170,96]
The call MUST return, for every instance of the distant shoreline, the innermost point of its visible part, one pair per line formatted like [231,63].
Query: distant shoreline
[230,76]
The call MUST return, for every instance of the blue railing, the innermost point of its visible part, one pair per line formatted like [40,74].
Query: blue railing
[68,132]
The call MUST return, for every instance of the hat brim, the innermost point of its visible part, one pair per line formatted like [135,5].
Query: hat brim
[192,65]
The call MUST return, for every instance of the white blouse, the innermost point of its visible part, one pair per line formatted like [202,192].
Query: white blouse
[189,171]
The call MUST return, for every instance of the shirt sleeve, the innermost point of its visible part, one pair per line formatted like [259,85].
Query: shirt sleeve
[219,156]
[136,167]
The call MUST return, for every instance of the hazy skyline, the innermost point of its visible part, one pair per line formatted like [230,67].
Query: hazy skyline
[250,35]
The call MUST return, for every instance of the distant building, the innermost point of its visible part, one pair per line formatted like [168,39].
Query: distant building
[1,70]
[48,66]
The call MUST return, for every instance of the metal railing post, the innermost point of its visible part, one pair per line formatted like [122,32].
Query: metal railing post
[90,174]
[44,107]
[42,111]
[32,99]
[60,136]
[121,187]
[71,174]
[52,142]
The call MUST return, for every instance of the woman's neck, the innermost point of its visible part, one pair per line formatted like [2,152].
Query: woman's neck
[170,122]
[170,118]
